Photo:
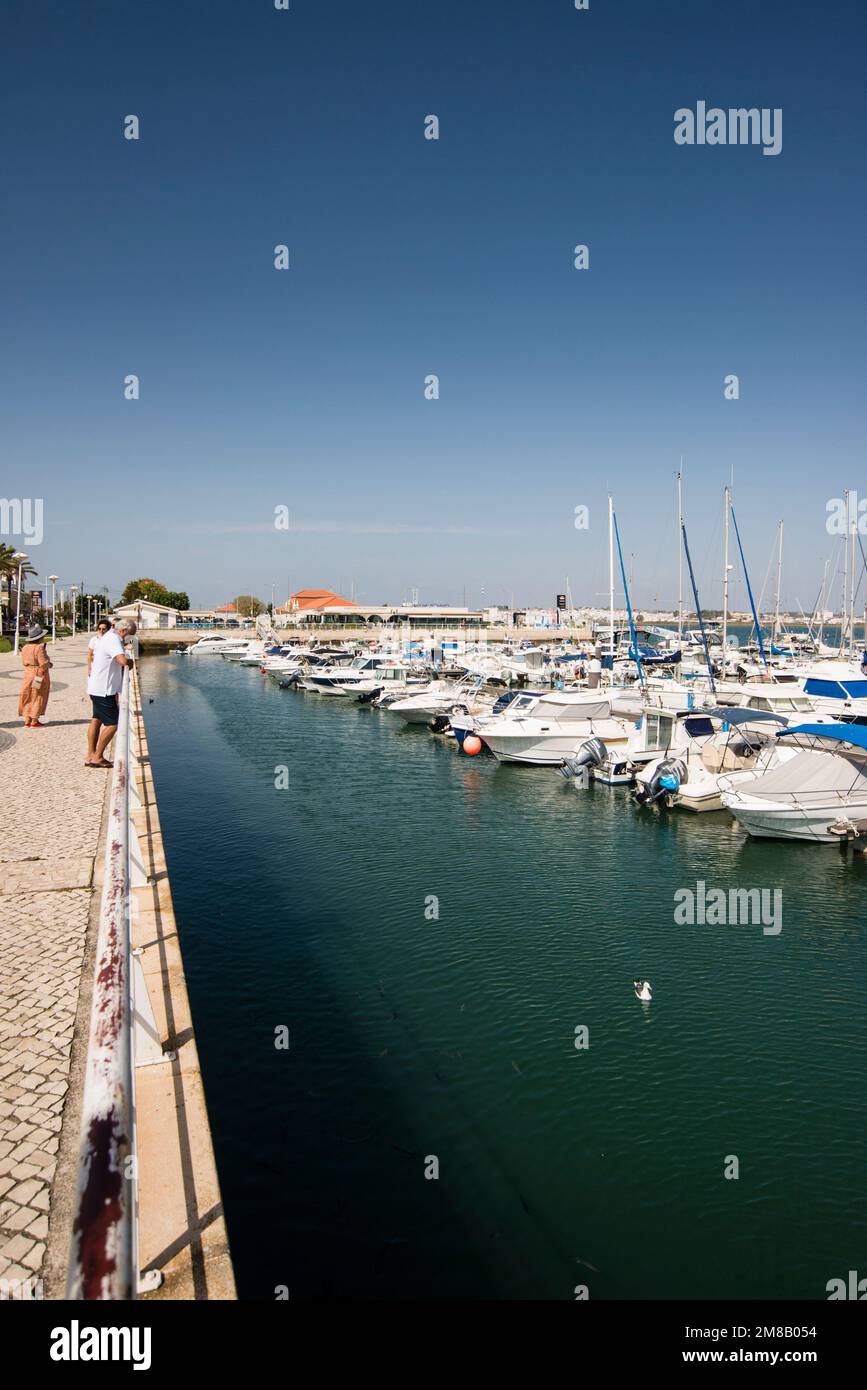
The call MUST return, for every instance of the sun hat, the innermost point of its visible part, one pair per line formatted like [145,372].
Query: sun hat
[35,633]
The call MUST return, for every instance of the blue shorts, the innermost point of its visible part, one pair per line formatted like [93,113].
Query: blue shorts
[104,708]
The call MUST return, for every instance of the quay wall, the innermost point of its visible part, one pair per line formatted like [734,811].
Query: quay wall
[182,1227]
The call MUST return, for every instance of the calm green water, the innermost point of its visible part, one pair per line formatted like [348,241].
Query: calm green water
[305,908]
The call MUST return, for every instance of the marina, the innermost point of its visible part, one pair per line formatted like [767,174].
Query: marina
[454,1033]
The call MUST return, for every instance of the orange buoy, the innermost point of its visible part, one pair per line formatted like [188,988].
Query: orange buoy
[472,745]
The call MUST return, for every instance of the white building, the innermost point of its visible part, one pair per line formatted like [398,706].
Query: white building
[147,615]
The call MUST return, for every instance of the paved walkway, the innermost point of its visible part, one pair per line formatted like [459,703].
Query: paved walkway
[52,809]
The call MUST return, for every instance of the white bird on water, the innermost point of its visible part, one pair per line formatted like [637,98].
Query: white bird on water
[642,990]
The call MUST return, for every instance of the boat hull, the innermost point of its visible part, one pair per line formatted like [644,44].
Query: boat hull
[775,821]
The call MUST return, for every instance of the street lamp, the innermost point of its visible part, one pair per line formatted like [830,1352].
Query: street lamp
[21,558]
[74,591]
[52,579]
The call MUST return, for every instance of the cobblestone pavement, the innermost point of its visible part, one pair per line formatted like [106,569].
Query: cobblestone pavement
[51,813]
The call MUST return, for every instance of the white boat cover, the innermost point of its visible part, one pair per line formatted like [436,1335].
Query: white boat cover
[574,705]
[810,777]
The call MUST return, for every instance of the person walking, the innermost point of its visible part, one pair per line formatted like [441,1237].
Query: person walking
[36,682]
[104,685]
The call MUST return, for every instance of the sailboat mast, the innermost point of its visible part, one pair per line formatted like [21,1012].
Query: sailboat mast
[844,606]
[779,575]
[822,602]
[611,574]
[853,522]
[726,568]
[679,560]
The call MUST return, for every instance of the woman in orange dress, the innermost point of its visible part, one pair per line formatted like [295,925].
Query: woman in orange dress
[36,685]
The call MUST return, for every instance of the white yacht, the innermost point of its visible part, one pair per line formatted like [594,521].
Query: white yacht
[237,650]
[441,697]
[546,728]
[815,795]
[362,676]
[214,644]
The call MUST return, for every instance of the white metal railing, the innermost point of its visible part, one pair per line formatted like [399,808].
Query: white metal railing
[104,1261]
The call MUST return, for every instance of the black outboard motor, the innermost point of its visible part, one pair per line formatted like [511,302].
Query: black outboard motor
[591,753]
[440,724]
[667,778]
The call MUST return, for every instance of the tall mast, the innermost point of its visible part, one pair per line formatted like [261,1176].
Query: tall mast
[679,558]
[779,574]
[726,568]
[853,523]
[844,606]
[611,574]
[823,601]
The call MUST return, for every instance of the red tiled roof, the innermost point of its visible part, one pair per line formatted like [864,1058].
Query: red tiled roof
[317,598]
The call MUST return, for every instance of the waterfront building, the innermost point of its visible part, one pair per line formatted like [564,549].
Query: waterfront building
[148,615]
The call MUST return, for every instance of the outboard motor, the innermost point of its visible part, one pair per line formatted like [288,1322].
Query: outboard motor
[439,724]
[591,753]
[666,780]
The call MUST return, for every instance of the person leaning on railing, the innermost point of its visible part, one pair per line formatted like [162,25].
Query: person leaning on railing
[104,685]
[102,628]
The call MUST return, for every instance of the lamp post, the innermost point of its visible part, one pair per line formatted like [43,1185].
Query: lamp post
[20,556]
[52,579]
[74,590]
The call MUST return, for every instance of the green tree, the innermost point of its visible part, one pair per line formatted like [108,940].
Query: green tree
[143,588]
[154,592]
[176,598]
[248,606]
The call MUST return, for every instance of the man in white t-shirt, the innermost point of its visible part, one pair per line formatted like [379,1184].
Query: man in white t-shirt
[102,628]
[104,684]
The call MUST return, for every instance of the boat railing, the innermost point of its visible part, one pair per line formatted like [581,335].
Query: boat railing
[806,799]
[104,1261]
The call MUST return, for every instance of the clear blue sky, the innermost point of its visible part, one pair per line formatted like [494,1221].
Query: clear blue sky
[411,257]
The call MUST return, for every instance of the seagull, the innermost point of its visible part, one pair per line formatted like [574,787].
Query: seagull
[642,990]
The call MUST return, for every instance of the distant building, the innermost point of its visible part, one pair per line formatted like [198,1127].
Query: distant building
[312,601]
[147,615]
[324,607]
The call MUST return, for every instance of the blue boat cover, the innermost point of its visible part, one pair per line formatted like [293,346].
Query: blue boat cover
[737,715]
[856,734]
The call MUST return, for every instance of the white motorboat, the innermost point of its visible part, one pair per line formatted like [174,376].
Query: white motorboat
[439,697]
[362,676]
[838,689]
[544,729]
[654,731]
[786,699]
[739,743]
[238,650]
[814,795]
[213,645]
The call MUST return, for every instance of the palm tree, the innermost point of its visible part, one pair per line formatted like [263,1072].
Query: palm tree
[9,571]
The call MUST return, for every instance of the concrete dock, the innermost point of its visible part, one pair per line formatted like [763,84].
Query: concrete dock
[51,853]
